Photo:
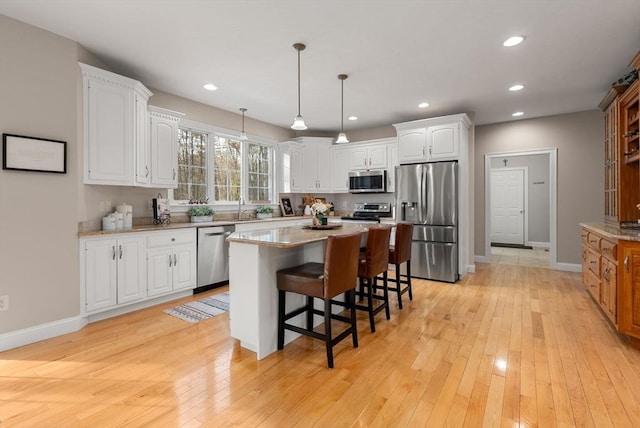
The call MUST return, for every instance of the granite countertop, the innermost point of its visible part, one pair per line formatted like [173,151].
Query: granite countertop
[613,231]
[293,236]
[183,225]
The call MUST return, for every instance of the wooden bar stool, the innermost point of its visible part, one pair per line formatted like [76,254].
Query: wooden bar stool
[400,253]
[374,261]
[324,281]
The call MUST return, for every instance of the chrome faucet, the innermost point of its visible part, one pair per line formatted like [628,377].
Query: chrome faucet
[240,202]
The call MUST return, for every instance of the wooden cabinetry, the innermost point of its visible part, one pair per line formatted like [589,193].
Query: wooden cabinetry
[609,106]
[599,271]
[629,315]
[630,123]
[171,261]
[430,140]
[113,272]
[629,155]
[114,117]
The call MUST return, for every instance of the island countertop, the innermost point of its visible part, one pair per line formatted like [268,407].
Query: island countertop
[293,236]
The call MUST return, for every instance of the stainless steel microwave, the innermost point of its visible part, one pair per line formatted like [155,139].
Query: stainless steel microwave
[374,181]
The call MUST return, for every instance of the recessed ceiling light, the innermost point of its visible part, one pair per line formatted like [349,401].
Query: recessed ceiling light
[423,105]
[513,41]
[516,88]
[353,117]
[518,113]
[210,87]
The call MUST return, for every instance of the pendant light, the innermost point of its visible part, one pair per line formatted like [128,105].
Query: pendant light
[342,137]
[298,121]
[243,136]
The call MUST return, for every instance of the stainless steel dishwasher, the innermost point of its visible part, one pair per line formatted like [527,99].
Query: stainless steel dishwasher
[213,255]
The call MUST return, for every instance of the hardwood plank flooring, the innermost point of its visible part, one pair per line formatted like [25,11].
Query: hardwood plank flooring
[508,346]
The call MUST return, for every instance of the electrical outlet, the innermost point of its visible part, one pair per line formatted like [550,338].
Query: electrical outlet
[107,206]
[4,303]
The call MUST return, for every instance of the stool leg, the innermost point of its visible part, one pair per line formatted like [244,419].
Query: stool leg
[327,332]
[370,304]
[385,293]
[399,285]
[309,313]
[281,309]
[409,279]
[354,329]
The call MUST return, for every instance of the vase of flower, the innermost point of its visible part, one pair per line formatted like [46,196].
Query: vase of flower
[319,213]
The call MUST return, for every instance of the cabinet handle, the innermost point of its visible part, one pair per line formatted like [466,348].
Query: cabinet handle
[113,252]
[174,173]
[175,260]
[293,182]
[429,150]
[120,252]
[146,168]
[606,275]
[626,264]
[170,261]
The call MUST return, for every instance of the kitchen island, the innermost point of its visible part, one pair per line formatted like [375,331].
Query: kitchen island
[254,259]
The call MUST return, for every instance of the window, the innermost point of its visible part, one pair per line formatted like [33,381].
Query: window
[216,166]
[192,165]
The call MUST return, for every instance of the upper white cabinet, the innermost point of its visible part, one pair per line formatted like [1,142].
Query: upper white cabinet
[372,156]
[340,167]
[316,158]
[432,139]
[290,166]
[162,148]
[115,118]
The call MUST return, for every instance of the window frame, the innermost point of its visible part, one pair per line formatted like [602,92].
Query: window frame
[213,131]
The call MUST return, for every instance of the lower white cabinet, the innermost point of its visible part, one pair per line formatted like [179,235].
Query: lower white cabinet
[114,272]
[171,261]
[127,268]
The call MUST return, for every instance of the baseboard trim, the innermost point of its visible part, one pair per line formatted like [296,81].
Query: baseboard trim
[535,244]
[481,259]
[471,268]
[40,332]
[569,267]
[138,305]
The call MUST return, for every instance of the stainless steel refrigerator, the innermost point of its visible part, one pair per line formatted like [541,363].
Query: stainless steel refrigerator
[427,196]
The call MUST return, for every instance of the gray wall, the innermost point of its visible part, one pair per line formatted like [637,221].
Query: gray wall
[38,224]
[538,191]
[578,138]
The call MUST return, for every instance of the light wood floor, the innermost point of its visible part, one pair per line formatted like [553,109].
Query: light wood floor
[508,346]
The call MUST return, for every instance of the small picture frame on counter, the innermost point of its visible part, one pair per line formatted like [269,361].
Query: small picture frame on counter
[286,207]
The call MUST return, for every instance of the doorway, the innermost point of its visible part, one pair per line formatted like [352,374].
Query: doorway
[550,202]
[508,206]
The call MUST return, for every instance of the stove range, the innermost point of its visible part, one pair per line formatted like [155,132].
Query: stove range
[365,211]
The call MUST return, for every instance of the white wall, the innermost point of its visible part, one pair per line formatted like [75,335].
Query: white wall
[38,223]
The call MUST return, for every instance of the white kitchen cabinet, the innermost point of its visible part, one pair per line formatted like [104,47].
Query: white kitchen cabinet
[143,168]
[114,110]
[340,168]
[171,261]
[291,167]
[430,140]
[391,169]
[316,160]
[372,156]
[163,147]
[114,271]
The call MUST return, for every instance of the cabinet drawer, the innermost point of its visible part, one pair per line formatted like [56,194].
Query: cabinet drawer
[593,261]
[169,239]
[609,249]
[585,236]
[594,241]
[592,282]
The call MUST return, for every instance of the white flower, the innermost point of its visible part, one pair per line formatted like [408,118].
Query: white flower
[318,208]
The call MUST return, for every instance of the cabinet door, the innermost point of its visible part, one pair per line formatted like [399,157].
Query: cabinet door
[110,133]
[100,274]
[359,158]
[443,142]
[340,170]
[310,161]
[159,271]
[629,299]
[391,168]
[297,168]
[184,267]
[164,153]
[143,167]
[411,145]
[323,167]
[608,285]
[378,157]
[131,269]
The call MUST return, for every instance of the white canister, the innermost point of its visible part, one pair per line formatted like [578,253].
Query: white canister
[127,215]
[108,223]
[119,219]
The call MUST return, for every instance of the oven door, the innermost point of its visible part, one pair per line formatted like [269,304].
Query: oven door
[368,181]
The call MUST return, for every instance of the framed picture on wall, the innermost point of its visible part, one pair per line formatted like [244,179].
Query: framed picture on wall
[22,153]
[286,207]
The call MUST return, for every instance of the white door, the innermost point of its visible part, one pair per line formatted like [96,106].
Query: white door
[507,206]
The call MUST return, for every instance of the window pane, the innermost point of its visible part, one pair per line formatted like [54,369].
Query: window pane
[227,168]
[192,165]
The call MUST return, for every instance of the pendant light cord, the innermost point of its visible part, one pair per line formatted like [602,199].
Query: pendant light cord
[342,105]
[298,82]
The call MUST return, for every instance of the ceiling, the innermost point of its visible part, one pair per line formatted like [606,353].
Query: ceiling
[397,53]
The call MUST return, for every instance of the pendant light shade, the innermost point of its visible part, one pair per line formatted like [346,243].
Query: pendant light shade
[342,137]
[298,121]
[243,136]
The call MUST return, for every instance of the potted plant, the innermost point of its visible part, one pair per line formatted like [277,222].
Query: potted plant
[264,212]
[200,214]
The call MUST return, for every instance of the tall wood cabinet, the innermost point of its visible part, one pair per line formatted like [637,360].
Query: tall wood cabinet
[630,289]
